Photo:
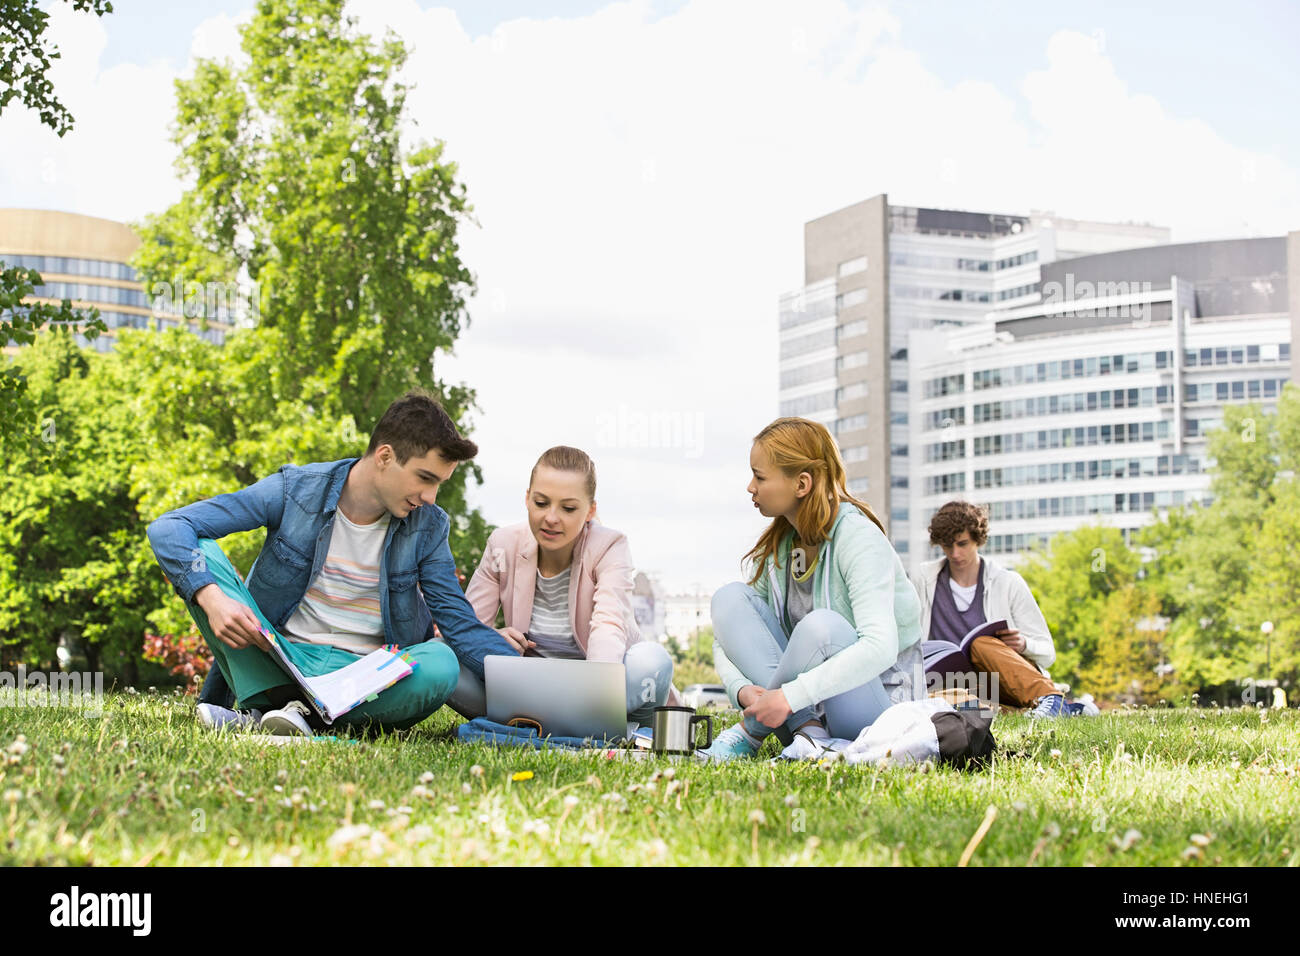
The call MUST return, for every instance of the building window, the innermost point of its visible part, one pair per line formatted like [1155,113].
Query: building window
[945,385]
[803,374]
[852,360]
[853,266]
[851,329]
[851,298]
[809,404]
[945,484]
[807,343]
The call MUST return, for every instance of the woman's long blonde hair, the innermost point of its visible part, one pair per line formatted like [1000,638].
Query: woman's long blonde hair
[796,445]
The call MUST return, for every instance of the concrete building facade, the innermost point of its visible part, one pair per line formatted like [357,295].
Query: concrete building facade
[86,260]
[873,273]
[1092,404]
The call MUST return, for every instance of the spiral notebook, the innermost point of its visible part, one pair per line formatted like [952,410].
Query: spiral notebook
[334,694]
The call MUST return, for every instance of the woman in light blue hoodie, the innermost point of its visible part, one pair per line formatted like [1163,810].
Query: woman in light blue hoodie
[826,634]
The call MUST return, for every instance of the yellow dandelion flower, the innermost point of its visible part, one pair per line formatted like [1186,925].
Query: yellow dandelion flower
[522,775]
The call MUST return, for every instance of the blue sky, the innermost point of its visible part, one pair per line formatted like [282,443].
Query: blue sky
[641,174]
[1232,65]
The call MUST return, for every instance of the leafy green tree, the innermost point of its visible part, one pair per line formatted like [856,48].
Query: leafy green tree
[25,57]
[1071,580]
[303,197]
[1207,559]
[72,561]
[1272,593]
[299,186]
[1129,663]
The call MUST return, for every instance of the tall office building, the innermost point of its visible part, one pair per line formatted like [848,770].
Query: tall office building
[875,272]
[1092,403]
[85,259]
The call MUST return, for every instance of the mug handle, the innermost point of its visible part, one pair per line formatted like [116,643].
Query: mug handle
[708,731]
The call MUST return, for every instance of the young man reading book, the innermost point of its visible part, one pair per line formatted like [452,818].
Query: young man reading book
[356,557]
[962,590]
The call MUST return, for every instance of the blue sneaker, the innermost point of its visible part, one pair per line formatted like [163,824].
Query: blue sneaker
[1050,705]
[731,744]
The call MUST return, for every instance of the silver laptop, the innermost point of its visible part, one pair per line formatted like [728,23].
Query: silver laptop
[568,698]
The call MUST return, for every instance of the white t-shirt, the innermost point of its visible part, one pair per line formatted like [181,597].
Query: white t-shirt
[341,606]
[962,596]
[549,627]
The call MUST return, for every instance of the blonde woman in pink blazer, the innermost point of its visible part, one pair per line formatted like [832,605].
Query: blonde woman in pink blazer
[565,584]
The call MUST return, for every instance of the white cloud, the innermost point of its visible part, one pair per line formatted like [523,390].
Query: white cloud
[642,186]
[117,160]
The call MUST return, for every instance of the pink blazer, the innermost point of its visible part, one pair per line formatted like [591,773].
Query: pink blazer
[600,588]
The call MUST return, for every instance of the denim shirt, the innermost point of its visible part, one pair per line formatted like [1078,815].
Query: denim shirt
[296,505]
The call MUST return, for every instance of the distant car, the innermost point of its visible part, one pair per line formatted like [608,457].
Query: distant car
[706,695]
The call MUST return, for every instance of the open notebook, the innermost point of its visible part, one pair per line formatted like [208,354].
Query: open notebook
[334,694]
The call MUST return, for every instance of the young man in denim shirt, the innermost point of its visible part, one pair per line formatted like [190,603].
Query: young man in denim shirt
[356,556]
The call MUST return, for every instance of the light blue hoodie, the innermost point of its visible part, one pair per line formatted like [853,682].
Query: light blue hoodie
[860,577]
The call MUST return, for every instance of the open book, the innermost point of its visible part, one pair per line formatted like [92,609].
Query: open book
[334,694]
[945,657]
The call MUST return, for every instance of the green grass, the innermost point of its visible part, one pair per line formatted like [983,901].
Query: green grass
[145,785]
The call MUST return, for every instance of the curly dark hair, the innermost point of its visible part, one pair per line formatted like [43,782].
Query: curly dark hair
[955,517]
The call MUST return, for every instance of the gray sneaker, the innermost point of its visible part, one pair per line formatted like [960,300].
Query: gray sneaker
[216,717]
[289,721]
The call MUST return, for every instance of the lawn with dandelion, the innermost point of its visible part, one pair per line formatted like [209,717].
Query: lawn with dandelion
[143,783]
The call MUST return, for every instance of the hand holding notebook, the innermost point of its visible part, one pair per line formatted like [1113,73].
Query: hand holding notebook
[946,657]
[334,694]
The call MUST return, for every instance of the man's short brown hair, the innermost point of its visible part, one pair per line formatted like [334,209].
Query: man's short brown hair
[956,517]
[415,423]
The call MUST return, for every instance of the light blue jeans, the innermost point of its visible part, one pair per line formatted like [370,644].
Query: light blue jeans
[754,640]
[649,677]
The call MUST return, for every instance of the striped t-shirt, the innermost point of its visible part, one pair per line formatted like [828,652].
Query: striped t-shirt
[549,627]
[341,606]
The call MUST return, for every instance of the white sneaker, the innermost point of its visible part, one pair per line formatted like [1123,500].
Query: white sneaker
[804,747]
[216,717]
[289,721]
